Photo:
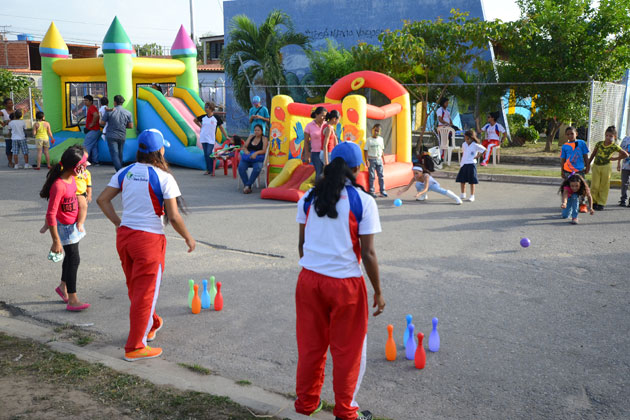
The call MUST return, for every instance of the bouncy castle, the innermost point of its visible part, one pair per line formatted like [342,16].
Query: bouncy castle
[119,72]
[290,179]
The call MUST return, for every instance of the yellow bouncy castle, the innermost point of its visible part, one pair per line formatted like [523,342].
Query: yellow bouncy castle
[289,178]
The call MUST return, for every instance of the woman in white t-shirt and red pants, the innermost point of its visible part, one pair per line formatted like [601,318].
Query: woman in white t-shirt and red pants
[493,133]
[149,192]
[338,220]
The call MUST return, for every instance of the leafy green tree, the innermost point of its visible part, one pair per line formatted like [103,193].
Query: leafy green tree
[253,53]
[329,65]
[565,40]
[148,49]
[10,82]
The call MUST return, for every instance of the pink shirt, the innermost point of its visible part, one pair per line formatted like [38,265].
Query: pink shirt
[62,204]
[315,132]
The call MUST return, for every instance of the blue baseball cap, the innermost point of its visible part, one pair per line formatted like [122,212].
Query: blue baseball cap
[350,152]
[152,140]
[256,100]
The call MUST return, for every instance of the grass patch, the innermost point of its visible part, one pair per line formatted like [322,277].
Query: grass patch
[530,149]
[59,373]
[196,368]
[243,382]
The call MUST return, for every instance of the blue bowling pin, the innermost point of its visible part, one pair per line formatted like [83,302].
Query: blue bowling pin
[410,344]
[205,296]
[434,338]
[406,336]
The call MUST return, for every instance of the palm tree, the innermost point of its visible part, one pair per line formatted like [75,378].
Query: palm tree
[253,53]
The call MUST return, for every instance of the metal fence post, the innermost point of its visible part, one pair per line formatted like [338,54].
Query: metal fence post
[590,114]
[30,103]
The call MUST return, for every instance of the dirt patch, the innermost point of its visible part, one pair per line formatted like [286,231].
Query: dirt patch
[36,382]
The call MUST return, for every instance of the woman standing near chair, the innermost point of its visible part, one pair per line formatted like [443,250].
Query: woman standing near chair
[252,156]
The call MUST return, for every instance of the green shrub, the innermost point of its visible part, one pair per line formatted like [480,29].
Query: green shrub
[516,122]
[527,134]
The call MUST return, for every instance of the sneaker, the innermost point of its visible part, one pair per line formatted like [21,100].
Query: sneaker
[384,194]
[141,354]
[27,166]
[423,197]
[574,221]
[471,199]
[459,201]
[16,166]
[361,415]
[318,409]
[583,208]
[462,196]
[152,333]
[622,203]
[483,164]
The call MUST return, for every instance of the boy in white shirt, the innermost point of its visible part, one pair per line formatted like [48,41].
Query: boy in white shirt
[17,126]
[374,147]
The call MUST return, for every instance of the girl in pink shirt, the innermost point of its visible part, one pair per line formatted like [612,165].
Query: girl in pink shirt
[60,190]
[313,140]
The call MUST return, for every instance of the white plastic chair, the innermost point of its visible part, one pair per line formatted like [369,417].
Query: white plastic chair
[447,144]
[262,175]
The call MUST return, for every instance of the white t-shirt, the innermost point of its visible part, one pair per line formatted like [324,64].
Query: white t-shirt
[493,132]
[102,112]
[144,189]
[374,147]
[208,131]
[469,151]
[18,129]
[445,114]
[331,246]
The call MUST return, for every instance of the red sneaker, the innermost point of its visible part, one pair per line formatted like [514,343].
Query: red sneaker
[583,208]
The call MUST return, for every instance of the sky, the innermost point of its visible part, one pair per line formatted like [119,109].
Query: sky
[146,21]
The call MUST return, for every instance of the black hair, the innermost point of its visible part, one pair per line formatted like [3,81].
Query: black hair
[570,128]
[443,101]
[472,135]
[261,127]
[318,111]
[427,164]
[157,159]
[495,116]
[12,116]
[584,189]
[89,98]
[119,100]
[69,160]
[327,190]
[6,100]
[17,114]
[376,126]
[612,129]
[39,115]
[104,100]
[332,114]
[236,140]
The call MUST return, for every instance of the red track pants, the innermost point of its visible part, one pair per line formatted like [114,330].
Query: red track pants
[489,145]
[142,257]
[330,312]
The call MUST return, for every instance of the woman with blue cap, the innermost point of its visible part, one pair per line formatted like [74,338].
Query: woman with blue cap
[150,199]
[258,115]
[338,220]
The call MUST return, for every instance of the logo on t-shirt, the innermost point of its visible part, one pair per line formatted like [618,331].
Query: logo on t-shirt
[137,177]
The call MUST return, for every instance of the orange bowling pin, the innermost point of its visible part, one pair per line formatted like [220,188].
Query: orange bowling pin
[218,299]
[390,346]
[196,302]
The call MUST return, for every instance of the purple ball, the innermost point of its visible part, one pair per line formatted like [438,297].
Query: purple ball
[525,242]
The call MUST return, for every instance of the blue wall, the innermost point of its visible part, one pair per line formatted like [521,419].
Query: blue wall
[345,21]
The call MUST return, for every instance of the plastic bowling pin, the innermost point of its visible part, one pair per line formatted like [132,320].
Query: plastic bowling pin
[218,299]
[434,337]
[406,336]
[410,345]
[205,296]
[196,303]
[191,292]
[420,357]
[213,290]
[390,346]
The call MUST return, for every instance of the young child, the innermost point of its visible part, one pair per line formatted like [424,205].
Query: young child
[42,133]
[573,189]
[61,221]
[337,223]
[494,134]
[425,183]
[374,147]
[625,172]
[18,138]
[602,169]
[207,137]
[83,181]
[574,158]
[471,150]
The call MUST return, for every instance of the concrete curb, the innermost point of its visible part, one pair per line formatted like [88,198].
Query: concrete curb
[162,372]
[515,179]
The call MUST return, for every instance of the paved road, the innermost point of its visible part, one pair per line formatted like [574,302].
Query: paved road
[540,332]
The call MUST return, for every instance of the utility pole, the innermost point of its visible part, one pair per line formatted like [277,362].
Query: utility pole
[192,22]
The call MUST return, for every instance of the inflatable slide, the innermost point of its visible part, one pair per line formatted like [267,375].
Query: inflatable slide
[291,183]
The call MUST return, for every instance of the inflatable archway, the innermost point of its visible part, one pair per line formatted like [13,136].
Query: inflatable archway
[289,118]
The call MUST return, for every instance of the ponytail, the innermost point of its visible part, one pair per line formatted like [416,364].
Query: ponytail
[327,190]
[69,160]
[53,174]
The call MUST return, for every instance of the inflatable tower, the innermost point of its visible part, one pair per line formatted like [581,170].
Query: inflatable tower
[52,49]
[184,50]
